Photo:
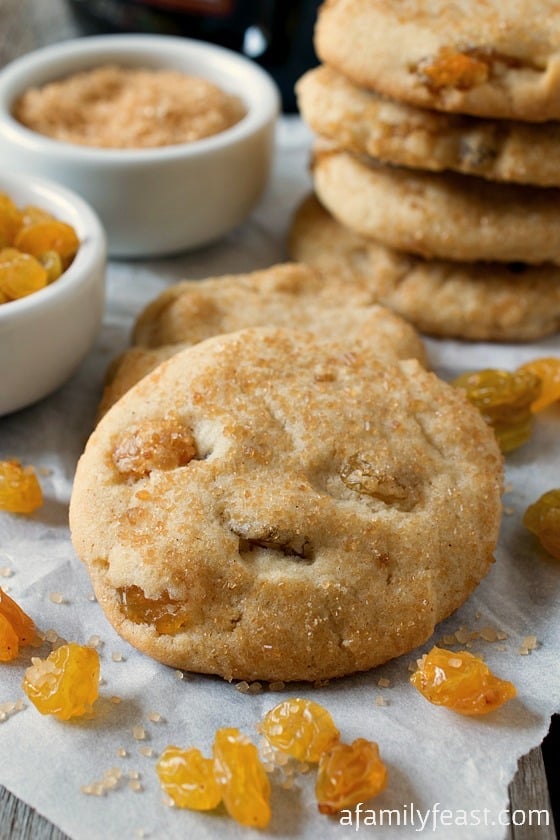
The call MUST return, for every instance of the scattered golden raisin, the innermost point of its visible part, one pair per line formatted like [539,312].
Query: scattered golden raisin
[16,628]
[301,728]
[542,518]
[242,779]
[548,371]
[188,778]
[66,683]
[153,445]
[20,491]
[461,682]
[504,400]
[348,774]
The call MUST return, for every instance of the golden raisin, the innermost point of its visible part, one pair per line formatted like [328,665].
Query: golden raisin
[31,214]
[461,682]
[52,264]
[66,683]
[35,248]
[51,235]
[188,778]
[10,220]
[548,371]
[20,274]
[9,642]
[504,400]
[542,518]
[153,445]
[242,779]
[16,628]
[167,616]
[348,774]
[20,491]
[301,728]
[454,69]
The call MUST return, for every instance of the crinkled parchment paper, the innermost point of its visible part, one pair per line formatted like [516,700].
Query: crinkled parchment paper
[436,759]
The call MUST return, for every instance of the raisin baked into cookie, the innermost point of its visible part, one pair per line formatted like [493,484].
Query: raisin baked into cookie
[491,58]
[268,506]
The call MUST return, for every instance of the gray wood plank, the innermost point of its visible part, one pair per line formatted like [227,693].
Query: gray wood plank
[20,822]
[529,799]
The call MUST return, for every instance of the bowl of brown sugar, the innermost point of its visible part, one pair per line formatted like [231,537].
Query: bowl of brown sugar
[169,139]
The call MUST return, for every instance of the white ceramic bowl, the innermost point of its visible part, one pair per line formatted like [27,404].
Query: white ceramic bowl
[153,201]
[45,336]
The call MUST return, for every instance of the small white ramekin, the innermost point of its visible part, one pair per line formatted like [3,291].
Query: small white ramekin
[45,336]
[152,202]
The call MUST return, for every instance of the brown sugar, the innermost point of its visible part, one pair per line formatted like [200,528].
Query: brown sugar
[128,108]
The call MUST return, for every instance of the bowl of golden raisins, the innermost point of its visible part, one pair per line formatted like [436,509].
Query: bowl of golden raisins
[52,286]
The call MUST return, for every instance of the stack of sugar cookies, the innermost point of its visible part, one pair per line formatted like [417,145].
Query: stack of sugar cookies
[437,168]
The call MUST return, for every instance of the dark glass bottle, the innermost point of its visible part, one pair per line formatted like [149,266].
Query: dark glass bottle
[277,34]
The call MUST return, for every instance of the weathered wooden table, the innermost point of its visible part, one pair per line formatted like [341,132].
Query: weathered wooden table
[25,25]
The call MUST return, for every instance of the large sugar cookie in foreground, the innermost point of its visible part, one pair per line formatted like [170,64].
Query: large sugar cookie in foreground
[491,58]
[267,506]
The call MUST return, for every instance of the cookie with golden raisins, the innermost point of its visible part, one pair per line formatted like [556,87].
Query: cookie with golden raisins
[484,57]
[375,326]
[268,506]
[473,301]
[366,123]
[283,295]
[443,215]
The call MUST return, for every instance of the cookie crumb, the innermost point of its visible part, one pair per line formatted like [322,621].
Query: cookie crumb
[530,642]
[489,634]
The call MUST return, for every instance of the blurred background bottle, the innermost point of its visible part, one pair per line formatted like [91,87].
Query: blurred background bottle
[277,34]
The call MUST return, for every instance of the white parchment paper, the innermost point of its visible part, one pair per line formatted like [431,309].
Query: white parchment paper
[448,775]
